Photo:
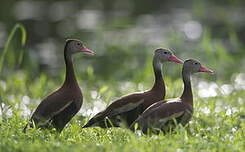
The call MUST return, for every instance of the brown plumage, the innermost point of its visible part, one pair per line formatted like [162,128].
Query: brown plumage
[128,108]
[57,109]
[166,113]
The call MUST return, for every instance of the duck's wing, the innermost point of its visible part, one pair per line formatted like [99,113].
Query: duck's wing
[48,108]
[119,106]
[159,114]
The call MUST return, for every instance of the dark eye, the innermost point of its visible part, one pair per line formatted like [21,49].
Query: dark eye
[196,63]
[78,44]
[165,52]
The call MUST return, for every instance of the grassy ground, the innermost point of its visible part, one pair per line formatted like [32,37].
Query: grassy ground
[218,125]
[218,122]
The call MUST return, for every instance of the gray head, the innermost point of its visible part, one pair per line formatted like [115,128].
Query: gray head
[165,55]
[75,46]
[194,66]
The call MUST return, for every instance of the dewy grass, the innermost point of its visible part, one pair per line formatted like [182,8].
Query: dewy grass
[10,37]
[217,125]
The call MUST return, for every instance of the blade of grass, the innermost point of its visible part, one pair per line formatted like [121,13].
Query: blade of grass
[10,37]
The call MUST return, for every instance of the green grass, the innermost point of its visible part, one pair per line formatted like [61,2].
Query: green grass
[215,130]
[218,123]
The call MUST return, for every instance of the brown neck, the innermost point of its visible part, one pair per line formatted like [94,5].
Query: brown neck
[187,93]
[70,78]
[159,82]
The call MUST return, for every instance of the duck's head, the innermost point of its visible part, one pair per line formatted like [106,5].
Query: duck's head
[75,46]
[165,55]
[194,66]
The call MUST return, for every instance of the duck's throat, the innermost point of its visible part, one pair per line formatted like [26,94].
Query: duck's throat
[159,83]
[70,74]
[187,93]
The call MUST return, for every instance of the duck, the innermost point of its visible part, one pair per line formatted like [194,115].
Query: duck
[58,108]
[165,114]
[125,110]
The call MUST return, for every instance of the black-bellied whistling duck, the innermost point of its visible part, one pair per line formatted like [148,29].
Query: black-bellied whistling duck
[165,113]
[57,109]
[128,108]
